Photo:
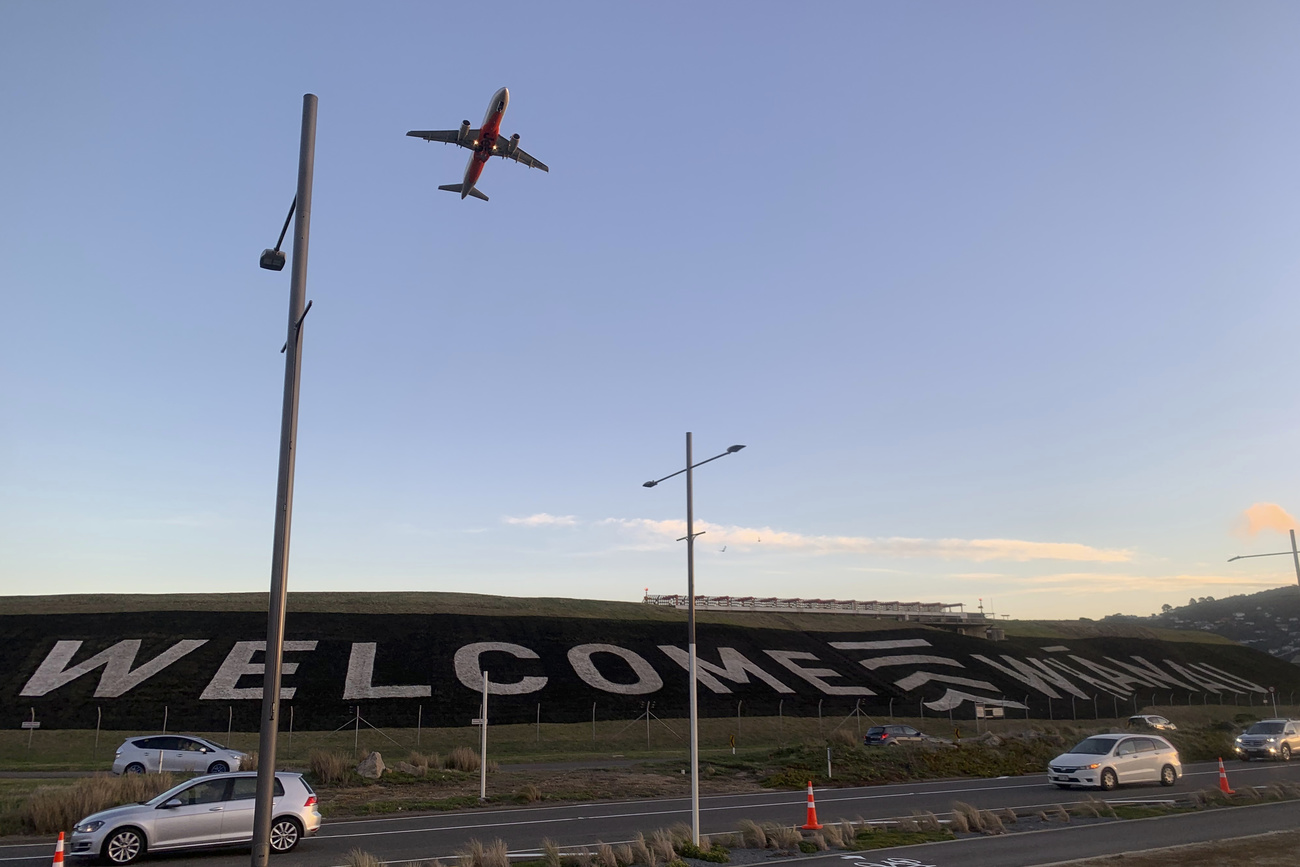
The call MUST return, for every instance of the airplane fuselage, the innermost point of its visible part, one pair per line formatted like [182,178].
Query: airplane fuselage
[486,144]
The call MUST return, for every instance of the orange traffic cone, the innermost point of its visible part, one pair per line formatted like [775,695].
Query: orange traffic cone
[812,812]
[58,851]
[1223,780]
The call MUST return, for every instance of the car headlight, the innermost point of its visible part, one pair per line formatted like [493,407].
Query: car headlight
[87,827]
[1094,766]
[1238,739]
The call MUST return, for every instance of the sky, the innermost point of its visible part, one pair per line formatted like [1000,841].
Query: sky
[1000,298]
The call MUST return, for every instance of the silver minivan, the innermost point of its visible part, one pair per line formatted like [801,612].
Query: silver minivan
[177,753]
[1106,761]
[215,810]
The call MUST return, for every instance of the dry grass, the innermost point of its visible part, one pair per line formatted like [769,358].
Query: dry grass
[51,809]
[752,835]
[959,823]
[992,824]
[550,852]
[476,854]
[819,841]
[641,853]
[530,794]
[783,836]
[605,855]
[329,769]
[463,759]
[425,761]
[661,842]
[974,818]
[249,761]
[926,820]
[358,858]
[844,737]
[623,853]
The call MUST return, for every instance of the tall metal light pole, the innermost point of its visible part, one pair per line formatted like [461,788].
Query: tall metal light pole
[690,624]
[1294,552]
[284,488]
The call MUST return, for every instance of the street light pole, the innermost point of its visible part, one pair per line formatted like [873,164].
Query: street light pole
[1294,552]
[690,623]
[284,491]
[690,646]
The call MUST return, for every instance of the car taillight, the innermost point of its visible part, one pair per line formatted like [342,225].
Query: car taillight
[884,735]
[311,801]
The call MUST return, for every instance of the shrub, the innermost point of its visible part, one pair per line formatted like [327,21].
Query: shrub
[50,809]
[623,852]
[974,819]
[661,841]
[807,847]
[249,761]
[716,852]
[530,794]
[496,854]
[605,855]
[472,854]
[782,836]
[329,769]
[358,858]
[463,759]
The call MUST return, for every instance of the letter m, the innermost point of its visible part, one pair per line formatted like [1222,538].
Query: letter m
[118,676]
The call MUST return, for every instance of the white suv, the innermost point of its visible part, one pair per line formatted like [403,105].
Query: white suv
[1269,739]
[181,753]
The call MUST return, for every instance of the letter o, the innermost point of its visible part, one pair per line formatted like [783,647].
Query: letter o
[470,671]
[648,679]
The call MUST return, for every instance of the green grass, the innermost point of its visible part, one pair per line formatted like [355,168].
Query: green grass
[885,839]
[1149,811]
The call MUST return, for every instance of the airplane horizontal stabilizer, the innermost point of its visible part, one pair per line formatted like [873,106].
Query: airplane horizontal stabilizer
[456,188]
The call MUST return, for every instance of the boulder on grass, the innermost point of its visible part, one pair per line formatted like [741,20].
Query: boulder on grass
[371,767]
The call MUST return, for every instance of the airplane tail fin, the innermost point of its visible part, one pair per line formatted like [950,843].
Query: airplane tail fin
[460,188]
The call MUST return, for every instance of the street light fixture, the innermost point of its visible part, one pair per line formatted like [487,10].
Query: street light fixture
[273,260]
[690,624]
[1294,552]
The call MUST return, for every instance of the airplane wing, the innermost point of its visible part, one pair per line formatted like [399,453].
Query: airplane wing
[446,136]
[520,156]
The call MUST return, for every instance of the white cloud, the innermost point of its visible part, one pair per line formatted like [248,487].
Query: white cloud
[980,550]
[541,519]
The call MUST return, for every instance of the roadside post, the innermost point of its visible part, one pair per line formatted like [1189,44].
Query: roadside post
[482,723]
[31,725]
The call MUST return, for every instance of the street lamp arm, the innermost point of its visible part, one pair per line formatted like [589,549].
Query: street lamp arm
[1247,556]
[731,450]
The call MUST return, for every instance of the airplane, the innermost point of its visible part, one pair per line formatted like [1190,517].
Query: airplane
[484,142]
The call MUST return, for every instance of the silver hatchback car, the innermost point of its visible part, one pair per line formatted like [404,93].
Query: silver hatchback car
[215,810]
[1106,761]
[177,753]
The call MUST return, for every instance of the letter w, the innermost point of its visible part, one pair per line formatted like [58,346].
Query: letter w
[118,676]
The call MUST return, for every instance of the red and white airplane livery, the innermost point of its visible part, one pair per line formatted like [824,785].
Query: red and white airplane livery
[484,142]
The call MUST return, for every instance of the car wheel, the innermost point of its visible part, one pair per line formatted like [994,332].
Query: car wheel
[1285,753]
[123,846]
[1109,780]
[285,834]
[135,768]
[1168,776]
[218,768]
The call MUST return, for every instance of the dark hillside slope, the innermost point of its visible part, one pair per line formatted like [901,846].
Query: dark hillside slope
[403,655]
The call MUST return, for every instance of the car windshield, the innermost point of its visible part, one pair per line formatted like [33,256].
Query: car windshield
[1094,746]
[1266,728]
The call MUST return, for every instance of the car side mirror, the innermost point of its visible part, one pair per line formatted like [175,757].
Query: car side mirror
[173,804]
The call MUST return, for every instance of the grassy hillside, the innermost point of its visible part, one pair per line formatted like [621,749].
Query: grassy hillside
[1067,629]
[434,603]
[481,605]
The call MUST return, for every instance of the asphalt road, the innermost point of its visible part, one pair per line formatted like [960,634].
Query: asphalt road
[413,838]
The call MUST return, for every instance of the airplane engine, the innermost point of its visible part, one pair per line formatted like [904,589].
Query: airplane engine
[464,130]
[514,144]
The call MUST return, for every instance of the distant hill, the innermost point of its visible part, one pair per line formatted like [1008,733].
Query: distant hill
[1267,621]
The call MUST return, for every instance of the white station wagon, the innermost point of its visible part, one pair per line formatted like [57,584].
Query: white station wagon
[178,753]
[1106,761]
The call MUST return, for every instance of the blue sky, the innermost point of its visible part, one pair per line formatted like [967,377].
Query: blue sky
[1000,296]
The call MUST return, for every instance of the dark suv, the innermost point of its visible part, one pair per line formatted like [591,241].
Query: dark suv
[1269,739]
[887,736]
